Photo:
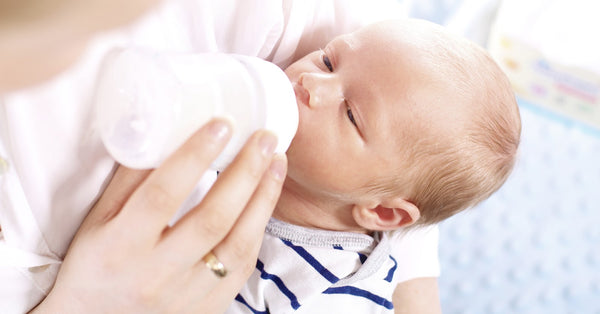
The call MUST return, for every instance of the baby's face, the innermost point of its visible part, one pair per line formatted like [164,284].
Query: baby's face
[363,100]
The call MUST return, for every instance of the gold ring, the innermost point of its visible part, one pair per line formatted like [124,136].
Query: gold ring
[213,263]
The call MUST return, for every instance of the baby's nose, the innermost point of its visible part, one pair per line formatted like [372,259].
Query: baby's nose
[324,89]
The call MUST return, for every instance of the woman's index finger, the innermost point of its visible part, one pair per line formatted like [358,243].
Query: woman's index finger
[157,199]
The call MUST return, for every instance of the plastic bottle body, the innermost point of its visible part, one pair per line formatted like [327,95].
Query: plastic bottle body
[148,104]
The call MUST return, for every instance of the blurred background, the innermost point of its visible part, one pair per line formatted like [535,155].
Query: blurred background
[534,247]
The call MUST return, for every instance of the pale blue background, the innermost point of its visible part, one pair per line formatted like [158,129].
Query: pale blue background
[534,247]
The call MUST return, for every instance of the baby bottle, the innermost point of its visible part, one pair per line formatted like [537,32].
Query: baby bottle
[148,103]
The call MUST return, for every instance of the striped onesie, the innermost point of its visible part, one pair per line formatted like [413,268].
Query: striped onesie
[302,270]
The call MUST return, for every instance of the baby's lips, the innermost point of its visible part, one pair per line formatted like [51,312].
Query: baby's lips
[302,95]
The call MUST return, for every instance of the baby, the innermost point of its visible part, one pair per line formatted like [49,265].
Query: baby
[401,124]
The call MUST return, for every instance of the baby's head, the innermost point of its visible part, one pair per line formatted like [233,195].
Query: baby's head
[401,123]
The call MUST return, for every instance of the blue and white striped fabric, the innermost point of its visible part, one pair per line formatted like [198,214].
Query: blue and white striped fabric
[301,270]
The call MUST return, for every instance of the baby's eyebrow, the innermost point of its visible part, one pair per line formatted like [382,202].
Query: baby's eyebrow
[350,42]
[341,45]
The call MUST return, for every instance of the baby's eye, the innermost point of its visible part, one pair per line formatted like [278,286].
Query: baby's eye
[327,62]
[350,115]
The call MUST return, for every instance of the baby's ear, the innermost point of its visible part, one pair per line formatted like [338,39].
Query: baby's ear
[389,215]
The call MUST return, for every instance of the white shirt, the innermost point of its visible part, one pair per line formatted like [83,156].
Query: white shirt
[52,163]
[304,270]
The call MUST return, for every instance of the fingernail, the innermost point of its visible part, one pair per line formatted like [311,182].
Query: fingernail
[278,167]
[268,142]
[219,129]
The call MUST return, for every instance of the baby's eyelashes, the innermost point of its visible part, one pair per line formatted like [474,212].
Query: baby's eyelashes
[326,61]
[350,114]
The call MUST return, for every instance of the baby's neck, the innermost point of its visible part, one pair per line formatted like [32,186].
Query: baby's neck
[299,207]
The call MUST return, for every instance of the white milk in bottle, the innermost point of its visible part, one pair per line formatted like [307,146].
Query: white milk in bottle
[148,103]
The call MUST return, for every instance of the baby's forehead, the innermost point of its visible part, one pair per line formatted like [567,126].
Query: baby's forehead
[350,41]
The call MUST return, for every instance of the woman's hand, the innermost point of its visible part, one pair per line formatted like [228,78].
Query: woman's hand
[126,259]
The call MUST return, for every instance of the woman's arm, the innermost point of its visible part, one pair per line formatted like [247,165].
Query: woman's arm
[27,28]
[417,296]
[327,19]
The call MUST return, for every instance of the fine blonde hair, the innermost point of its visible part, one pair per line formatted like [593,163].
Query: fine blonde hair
[446,176]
